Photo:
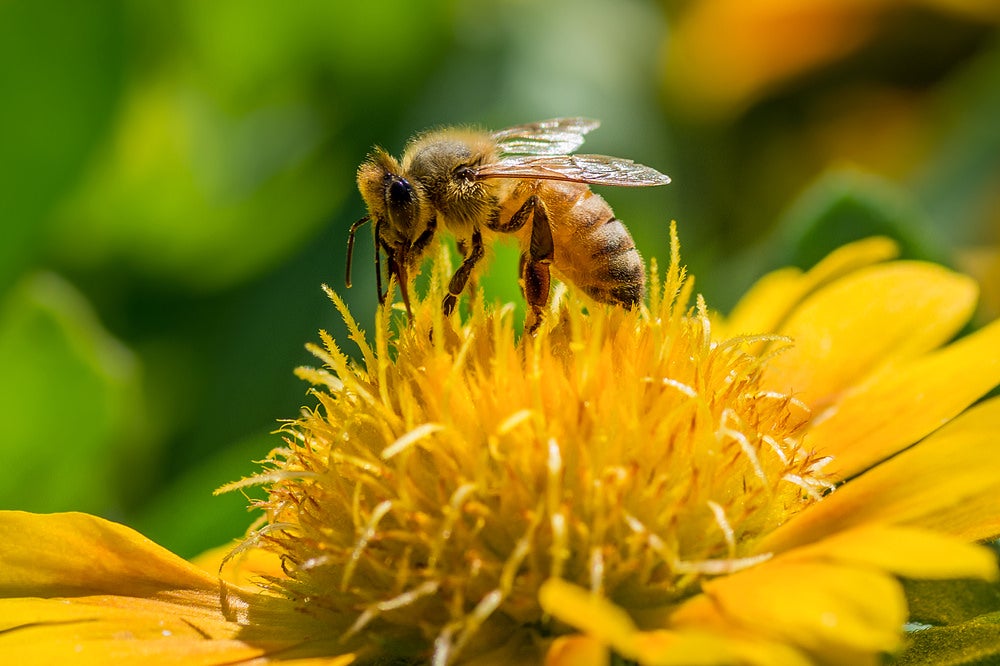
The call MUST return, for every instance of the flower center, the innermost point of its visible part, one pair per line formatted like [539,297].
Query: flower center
[434,489]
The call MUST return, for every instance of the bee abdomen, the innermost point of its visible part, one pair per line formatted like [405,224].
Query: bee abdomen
[617,275]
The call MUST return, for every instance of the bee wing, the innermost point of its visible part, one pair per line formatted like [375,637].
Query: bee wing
[591,169]
[547,137]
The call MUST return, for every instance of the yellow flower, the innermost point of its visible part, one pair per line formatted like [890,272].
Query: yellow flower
[664,484]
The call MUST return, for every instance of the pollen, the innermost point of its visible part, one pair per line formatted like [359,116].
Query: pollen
[440,480]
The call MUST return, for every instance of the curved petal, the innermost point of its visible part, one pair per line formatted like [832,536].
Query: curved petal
[87,631]
[765,305]
[764,308]
[904,551]
[823,608]
[69,554]
[867,320]
[705,648]
[590,613]
[79,589]
[577,650]
[949,482]
[605,624]
[904,404]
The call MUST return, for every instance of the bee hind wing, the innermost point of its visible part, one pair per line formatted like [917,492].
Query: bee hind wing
[547,137]
[590,169]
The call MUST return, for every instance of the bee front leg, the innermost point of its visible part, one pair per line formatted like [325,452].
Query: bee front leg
[380,245]
[461,277]
[535,263]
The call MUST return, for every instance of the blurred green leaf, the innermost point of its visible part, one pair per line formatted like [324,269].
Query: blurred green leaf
[972,643]
[189,193]
[187,519]
[363,47]
[964,623]
[959,186]
[844,206]
[67,401]
[61,68]
[940,602]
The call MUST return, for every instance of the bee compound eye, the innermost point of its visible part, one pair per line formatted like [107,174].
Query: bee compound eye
[400,191]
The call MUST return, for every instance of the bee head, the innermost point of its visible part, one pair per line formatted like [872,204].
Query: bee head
[397,204]
[401,213]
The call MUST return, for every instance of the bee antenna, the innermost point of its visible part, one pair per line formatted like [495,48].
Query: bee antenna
[350,246]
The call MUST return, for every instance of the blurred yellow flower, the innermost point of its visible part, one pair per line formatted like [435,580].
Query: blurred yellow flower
[663,484]
[724,55]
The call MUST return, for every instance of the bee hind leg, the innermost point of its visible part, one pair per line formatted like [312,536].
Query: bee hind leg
[461,277]
[535,276]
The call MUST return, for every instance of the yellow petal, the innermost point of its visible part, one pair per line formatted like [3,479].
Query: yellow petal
[590,613]
[577,650]
[108,629]
[84,631]
[703,648]
[240,566]
[948,482]
[873,317]
[765,305]
[118,597]
[768,303]
[74,554]
[905,551]
[603,624]
[903,404]
[825,609]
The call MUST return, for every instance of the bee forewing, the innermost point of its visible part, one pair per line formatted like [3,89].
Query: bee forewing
[591,169]
[547,137]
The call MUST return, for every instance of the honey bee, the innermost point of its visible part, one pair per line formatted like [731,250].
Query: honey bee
[521,181]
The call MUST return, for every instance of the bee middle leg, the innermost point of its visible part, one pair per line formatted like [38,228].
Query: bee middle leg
[461,277]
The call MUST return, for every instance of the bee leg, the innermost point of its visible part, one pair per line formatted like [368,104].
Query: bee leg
[516,220]
[378,261]
[535,265]
[424,239]
[463,249]
[461,276]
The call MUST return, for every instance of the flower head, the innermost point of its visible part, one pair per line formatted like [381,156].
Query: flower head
[661,483]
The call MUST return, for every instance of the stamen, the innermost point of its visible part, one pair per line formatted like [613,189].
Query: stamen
[458,498]
[680,386]
[723,523]
[369,532]
[514,420]
[486,606]
[724,430]
[720,567]
[410,438]
[424,589]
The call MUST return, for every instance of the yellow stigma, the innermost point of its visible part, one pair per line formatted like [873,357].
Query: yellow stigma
[440,482]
